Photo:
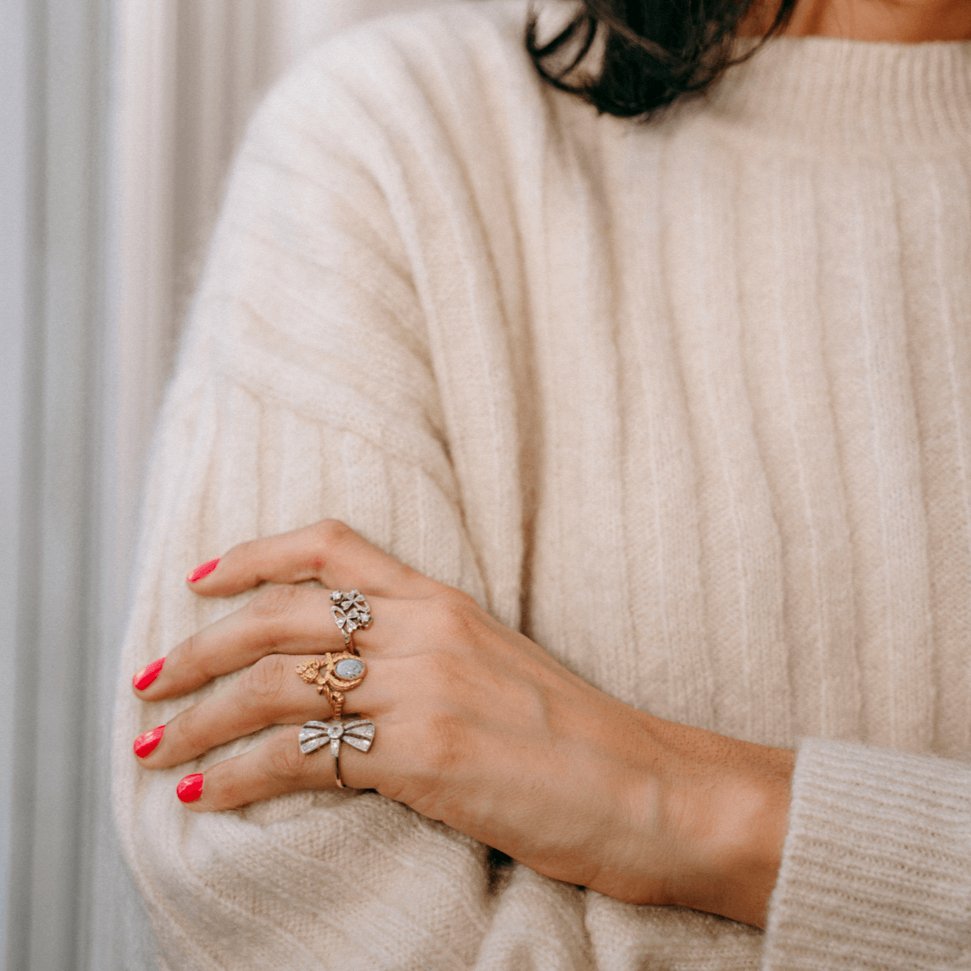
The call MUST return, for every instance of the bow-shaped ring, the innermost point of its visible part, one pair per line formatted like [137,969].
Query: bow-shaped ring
[357,732]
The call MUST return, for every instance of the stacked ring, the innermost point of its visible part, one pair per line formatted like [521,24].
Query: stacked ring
[356,732]
[350,611]
[333,674]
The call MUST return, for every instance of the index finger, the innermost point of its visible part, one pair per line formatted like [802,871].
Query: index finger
[328,551]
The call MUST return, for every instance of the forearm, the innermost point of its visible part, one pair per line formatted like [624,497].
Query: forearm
[707,811]
[729,801]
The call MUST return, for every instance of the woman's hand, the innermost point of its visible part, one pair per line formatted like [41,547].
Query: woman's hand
[476,726]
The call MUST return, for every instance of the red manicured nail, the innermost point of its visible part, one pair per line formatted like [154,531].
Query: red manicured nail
[203,571]
[146,743]
[190,788]
[147,674]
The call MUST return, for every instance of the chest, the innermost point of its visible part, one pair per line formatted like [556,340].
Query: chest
[749,447]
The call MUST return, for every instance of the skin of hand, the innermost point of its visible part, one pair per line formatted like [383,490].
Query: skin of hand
[476,726]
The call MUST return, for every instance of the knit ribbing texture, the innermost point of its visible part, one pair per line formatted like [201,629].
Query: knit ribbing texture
[687,402]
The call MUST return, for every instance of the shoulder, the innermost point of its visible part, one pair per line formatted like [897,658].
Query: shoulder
[466,34]
[455,66]
[432,29]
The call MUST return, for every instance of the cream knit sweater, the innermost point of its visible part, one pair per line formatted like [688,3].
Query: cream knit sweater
[689,403]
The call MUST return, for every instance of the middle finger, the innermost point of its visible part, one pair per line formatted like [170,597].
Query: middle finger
[285,619]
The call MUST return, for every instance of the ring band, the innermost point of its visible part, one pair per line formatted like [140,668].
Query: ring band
[333,674]
[350,612]
[358,733]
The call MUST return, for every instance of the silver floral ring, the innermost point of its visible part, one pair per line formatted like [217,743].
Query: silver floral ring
[356,732]
[350,612]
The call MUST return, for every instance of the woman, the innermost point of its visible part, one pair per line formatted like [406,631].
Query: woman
[634,455]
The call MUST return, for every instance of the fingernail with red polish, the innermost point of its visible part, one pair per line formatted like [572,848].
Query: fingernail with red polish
[147,674]
[190,788]
[147,742]
[203,571]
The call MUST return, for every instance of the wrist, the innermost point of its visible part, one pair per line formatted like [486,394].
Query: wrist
[727,807]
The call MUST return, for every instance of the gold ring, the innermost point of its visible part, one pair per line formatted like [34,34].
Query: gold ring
[333,674]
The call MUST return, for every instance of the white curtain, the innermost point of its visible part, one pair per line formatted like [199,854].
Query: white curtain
[117,121]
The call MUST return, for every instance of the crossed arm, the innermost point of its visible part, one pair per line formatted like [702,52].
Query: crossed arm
[476,726]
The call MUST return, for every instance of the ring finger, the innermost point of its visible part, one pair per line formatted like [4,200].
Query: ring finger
[269,692]
[276,767]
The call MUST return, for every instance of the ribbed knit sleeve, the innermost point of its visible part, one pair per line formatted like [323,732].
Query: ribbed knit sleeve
[304,390]
[876,870]
[685,403]
[308,385]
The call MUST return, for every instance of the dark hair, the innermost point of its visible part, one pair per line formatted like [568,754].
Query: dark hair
[651,51]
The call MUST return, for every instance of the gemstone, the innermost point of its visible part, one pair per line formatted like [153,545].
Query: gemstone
[335,731]
[349,668]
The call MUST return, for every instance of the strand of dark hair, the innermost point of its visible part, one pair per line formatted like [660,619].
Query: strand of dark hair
[653,51]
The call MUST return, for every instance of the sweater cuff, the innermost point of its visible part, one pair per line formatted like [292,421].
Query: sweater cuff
[876,865]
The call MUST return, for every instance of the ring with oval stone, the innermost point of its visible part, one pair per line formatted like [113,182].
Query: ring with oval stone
[350,611]
[333,674]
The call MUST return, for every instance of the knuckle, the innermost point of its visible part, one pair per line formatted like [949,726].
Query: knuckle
[274,601]
[243,551]
[442,743]
[263,681]
[443,679]
[459,615]
[285,761]
[332,532]
[190,728]
[192,659]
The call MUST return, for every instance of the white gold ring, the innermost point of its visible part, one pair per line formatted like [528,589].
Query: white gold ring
[356,732]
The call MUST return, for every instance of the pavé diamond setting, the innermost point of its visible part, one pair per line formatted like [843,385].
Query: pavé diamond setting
[356,732]
[350,612]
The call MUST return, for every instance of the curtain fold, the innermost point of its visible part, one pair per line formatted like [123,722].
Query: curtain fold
[119,119]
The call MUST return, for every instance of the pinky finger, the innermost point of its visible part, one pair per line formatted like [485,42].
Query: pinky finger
[273,768]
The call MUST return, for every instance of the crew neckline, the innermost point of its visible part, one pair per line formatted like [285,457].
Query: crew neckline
[850,93]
